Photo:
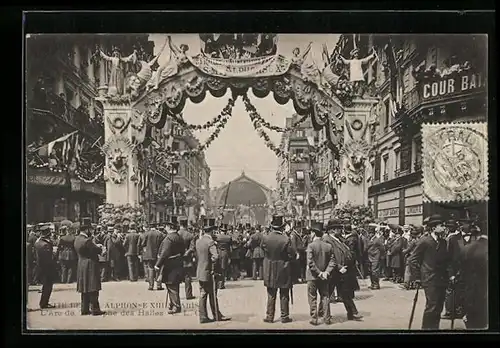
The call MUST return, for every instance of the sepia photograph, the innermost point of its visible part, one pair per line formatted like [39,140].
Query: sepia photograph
[256,181]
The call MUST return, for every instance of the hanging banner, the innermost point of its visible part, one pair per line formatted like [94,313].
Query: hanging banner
[243,67]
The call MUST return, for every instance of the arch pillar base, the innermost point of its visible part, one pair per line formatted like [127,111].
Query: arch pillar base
[354,160]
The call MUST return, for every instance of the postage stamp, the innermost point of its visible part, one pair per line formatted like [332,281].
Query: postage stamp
[455,162]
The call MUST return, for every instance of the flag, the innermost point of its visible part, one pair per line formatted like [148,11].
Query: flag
[58,140]
[396,83]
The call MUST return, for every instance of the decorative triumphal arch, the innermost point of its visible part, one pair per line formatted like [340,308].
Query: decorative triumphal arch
[138,98]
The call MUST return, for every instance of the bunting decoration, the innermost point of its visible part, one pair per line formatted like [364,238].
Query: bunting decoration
[67,153]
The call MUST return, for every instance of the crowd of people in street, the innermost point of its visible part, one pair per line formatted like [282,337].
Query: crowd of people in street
[447,258]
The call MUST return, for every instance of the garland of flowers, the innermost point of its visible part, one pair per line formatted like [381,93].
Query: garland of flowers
[252,112]
[256,117]
[202,147]
[224,114]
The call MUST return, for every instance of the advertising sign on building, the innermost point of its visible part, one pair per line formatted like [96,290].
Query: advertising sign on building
[451,85]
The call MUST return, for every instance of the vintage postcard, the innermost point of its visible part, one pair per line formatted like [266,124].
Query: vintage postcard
[256,181]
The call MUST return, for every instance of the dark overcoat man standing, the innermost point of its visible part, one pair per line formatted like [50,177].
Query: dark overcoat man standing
[278,255]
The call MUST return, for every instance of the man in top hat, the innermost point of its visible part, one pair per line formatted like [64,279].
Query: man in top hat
[375,252]
[67,253]
[88,277]
[207,256]
[223,241]
[257,254]
[474,274]
[278,254]
[415,233]
[188,256]
[131,245]
[46,265]
[321,263]
[431,260]
[352,239]
[344,276]
[457,242]
[151,242]
[170,262]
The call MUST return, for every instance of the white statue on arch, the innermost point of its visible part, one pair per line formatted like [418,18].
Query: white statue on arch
[356,75]
[116,79]
[171,66]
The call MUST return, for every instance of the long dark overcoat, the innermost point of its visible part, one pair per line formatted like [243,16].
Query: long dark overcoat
[88,275]
[396,251]
[278,254]
[348,281]
[170,259]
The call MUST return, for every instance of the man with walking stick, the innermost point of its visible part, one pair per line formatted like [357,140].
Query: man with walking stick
[430,260]
[207,256]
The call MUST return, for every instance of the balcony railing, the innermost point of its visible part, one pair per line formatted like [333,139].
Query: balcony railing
[401,172]
[386,177]
[63,110]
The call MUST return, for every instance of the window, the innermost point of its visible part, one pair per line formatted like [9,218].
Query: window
[385,159]
[298,152]
[387,115]
[175,146]
[378,166]
[300,133]
[397,162]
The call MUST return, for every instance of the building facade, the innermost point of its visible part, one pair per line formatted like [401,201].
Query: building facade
[191,177]
[64,179]
[431,78]
[296,175]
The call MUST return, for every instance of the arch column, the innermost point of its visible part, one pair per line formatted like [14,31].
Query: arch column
[354,160]
[121,172]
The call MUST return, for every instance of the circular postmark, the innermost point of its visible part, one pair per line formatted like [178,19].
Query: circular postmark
[455,164]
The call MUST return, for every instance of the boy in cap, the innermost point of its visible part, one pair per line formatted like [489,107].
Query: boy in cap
[46,264]
[320,264]
[67,253]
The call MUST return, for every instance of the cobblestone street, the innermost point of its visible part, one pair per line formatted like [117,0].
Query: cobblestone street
[132,306]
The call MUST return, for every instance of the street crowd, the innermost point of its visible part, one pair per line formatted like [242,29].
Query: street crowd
[447,258]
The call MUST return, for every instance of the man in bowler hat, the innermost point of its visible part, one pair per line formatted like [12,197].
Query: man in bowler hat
[474,274]
[170,262]
[344,275]
[207,256]
[88,275]
[431,260]
[278,255]
[46,264]
[320,264]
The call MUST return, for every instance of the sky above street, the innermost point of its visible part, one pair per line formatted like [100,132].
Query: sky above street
[238,147]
